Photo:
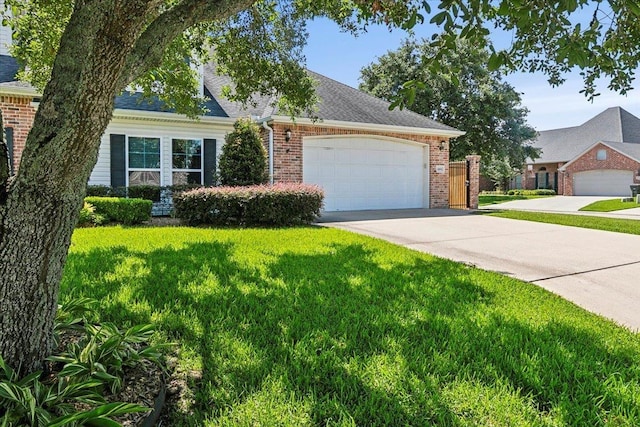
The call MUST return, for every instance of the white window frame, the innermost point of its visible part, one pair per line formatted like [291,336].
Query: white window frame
[201,170]
[129,169]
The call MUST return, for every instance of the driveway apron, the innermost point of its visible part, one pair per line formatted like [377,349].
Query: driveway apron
[597,270]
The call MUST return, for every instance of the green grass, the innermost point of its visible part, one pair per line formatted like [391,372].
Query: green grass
[492,199]
[629,226]
[609,206]
[315,326]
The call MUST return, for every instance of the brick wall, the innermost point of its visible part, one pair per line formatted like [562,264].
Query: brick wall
[17,113]
[588,161]
[288,155]
[474,180]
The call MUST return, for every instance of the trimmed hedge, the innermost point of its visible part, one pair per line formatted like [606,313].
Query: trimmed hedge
[118,209]
[147,192]
[261,205]
[531,192]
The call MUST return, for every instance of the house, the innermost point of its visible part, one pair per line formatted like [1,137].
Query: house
[601,157]
[362,154]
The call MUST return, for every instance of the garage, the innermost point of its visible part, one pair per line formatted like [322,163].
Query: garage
[360,173]
[602,182]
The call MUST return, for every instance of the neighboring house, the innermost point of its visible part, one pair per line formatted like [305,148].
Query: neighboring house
[601,157]
[362,154]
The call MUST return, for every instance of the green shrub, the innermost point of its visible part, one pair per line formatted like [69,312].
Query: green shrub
[88,216]
[146,192]
[125,211]
[243,160]
[540,192]
[281,204]
[99,191]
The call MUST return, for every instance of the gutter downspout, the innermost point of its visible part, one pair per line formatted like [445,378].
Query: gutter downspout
[266,126]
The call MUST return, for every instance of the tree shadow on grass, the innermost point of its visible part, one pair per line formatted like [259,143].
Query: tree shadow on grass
[355,339]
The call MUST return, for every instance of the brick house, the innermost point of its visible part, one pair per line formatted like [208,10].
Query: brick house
[601,157]
[363,155]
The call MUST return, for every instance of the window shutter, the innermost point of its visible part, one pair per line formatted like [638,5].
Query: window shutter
[209,163]
[8,132]
[118,161]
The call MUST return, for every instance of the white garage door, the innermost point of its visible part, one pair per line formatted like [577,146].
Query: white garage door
[367,173]
[604,182]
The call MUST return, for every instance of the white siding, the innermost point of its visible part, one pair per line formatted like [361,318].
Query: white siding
[5,35]
[164,130]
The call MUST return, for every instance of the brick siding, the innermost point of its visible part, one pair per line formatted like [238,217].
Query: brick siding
[287,157]
[588,162]
[17,113]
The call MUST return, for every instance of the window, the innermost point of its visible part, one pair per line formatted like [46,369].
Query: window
[186,158]
[601,155]
[144,161]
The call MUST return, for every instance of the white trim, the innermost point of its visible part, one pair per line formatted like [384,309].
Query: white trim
[365,126]
[126,159]
[591,147]
[370,136]
[168,117]
[19,91]
[201,170]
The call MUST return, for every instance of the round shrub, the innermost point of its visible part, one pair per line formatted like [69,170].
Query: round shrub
[243,160]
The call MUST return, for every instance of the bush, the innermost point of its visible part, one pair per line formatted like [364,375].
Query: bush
[531,192]
[105,191]
[88,216]
[243,160]
[281,204]
[146,192]
[126,211]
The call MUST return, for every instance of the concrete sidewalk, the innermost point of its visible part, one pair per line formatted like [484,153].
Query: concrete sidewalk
[597,270]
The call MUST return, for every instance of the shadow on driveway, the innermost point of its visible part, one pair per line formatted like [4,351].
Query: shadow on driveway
[373,215]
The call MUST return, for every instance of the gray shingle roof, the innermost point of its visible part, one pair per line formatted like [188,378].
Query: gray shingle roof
[631,150]
[613,124]
[338,102]
[135,101]
[8,69]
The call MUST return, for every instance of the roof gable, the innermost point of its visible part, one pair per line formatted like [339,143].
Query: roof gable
[562,145]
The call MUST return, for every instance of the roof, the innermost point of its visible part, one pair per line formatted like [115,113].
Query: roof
[614,124]
[8,69]
[337,102]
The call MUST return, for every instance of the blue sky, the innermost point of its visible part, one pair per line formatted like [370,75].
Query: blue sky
[341,56]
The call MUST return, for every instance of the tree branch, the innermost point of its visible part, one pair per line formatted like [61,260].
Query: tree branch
[5,168]
[149,49]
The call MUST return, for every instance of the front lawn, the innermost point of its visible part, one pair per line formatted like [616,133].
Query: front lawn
[629,226]
[610,206]
[315,326]
[493,199]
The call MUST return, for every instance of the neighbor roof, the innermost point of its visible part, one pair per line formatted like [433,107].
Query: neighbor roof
[613,124]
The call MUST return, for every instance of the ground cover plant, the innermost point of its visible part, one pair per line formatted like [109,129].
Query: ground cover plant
[619,225]
[314,326]
[493,199]
[610,205]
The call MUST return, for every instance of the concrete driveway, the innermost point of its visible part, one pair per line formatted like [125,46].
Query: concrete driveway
[563,204]
[597,270]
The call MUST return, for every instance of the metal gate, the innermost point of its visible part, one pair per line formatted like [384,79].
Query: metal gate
[459,185]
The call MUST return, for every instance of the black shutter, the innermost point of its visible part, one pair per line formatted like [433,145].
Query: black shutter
[209,162]
[8,132]
[118,161]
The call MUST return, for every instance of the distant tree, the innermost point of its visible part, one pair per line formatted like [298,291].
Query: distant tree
[500,172]
[243,160]
[463,94]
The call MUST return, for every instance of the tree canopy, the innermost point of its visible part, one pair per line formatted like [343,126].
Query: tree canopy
[464,94]
[83,53]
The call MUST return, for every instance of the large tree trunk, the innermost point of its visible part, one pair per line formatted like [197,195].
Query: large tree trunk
[42,203]
[106,44]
